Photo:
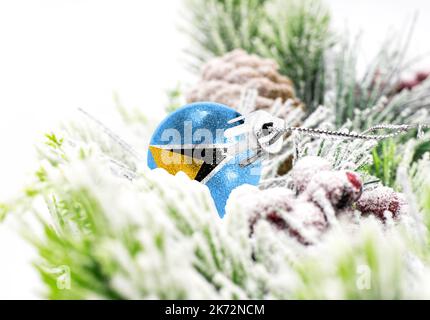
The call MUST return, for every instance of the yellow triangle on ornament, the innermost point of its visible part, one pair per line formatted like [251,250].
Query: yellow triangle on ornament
[173,162]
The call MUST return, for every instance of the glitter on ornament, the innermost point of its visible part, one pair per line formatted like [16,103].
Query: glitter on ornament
[191,140]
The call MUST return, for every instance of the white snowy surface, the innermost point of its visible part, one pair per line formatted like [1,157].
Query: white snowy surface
[58,55]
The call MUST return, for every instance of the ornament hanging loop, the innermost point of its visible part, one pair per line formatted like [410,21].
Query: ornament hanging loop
[264,134]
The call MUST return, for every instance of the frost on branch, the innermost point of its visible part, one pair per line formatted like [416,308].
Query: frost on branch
[159,236]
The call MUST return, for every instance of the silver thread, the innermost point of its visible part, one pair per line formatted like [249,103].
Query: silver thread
[397,130]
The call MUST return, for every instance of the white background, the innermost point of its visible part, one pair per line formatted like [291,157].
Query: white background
[57,55]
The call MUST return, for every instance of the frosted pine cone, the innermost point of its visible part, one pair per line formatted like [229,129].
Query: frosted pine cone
[225,78]
[381,201]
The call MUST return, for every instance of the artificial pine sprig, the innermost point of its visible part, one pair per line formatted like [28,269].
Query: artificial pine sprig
[293,33]
[298,38]
[219,26]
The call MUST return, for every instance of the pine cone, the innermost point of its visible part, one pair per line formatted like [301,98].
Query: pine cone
[225,78]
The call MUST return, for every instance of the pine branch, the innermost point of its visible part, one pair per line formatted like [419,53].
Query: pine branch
[386,160]
[219,26]
[297,38]
[360,99]
[293,33]
[160,237]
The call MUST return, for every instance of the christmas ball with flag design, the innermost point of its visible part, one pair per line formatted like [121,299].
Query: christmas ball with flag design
[191,140]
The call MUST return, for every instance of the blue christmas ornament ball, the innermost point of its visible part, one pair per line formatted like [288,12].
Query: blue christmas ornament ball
[191,140]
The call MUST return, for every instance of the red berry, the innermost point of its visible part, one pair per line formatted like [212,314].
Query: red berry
[275,219]
[306,168]
[286,213]
[341,188]
[411,83]
[422,75]
[379,201]
[354,179]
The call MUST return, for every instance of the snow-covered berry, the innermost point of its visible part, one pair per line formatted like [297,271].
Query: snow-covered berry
[300,219]
[341,188]
[306,168]
[411,83]
[380,202]
[262,200]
